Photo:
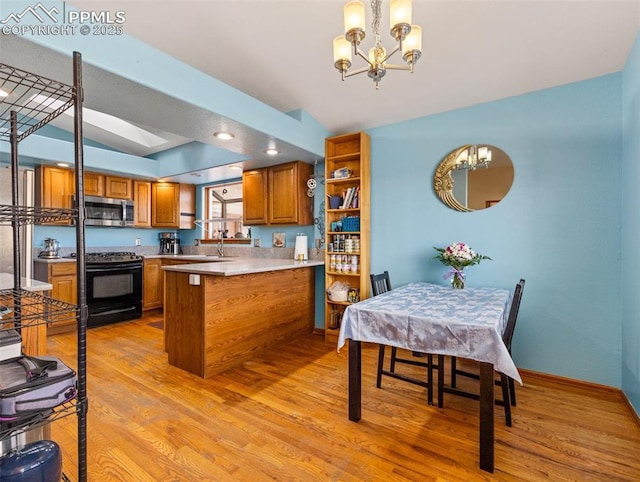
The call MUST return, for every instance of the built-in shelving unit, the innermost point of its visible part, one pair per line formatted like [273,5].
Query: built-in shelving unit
[31,102]
[346,222]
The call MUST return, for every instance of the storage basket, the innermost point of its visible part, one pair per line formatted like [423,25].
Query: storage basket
[351,224]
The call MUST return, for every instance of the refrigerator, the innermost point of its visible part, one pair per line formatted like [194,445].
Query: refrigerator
[26,185]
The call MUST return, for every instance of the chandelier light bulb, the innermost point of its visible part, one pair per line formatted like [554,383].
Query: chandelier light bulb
[341,49]
[400,12]
[354,16]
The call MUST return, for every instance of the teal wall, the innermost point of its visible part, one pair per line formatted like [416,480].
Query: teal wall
[559,226]
[630,366]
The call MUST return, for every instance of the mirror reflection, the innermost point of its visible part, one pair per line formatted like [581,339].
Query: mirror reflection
[473,177]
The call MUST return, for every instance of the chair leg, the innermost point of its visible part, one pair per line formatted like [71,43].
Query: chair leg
[512,391]
[393,359]
[504,382]
[380,366]
[453,372]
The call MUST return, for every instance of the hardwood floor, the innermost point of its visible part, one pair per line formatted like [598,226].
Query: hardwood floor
[284,417]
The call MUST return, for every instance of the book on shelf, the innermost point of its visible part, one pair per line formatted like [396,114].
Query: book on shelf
[350,196]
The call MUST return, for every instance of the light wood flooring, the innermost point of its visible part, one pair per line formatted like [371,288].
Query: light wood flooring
[283,417]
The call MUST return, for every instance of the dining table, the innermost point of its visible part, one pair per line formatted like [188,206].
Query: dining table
[436,319]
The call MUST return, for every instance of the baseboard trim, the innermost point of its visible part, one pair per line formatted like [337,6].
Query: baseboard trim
[634,414]
[583,384]
[568,381]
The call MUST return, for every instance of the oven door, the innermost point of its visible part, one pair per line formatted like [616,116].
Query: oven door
[114,292]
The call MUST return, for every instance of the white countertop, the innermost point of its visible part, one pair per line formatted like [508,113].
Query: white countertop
[237,266]
[6,283]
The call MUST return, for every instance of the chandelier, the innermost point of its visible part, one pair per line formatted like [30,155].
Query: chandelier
[472,158]
[407,36]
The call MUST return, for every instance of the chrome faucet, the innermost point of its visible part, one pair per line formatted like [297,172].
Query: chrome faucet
[221,245]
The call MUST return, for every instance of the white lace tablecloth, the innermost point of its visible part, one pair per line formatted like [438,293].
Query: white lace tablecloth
[436,319]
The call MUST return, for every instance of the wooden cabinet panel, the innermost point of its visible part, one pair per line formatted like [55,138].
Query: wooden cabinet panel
[173,205]
[55,187]
[165,197]
[93,184]
[62,277]
[277,195]
[142,204]
[118,187]
[187,210]
[288,200]
[152,289]
[254,196]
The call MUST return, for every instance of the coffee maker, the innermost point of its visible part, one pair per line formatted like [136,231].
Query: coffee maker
[169,243]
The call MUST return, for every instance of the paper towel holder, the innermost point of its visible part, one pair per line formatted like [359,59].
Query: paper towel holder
[301,251]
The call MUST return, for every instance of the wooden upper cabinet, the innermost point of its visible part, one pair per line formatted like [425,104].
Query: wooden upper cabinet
[288,200]
[55,187]
[93,184]
[118,187]
[277,195]
[142,204]
[173,205]
[254,196]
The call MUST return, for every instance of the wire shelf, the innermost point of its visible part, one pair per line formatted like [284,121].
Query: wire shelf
[35,99]
[22,308]
[34,215]
[38,419]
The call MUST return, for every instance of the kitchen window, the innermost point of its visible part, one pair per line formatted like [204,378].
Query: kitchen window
[225,201]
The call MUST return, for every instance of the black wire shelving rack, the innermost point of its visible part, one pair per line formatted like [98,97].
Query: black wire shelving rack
[28,102]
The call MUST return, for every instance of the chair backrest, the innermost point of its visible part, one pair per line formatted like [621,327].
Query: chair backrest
[507,335]
[380,283]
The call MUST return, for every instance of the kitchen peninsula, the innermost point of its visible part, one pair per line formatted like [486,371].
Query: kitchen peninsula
[220,314]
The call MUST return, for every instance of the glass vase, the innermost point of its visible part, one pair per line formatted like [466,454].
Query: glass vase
[457,281]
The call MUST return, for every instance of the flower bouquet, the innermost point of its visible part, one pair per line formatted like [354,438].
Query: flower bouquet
[458,256]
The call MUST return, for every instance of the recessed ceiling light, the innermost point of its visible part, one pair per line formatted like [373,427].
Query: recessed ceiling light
[271,152]
[3,93]
[62,164]
[236,167]
[223,136]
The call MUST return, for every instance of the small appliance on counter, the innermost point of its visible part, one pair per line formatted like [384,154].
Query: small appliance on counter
[169,243]
[301,250]
[50,251]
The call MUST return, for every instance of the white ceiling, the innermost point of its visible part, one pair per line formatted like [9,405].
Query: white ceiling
[280,52]
[474,51]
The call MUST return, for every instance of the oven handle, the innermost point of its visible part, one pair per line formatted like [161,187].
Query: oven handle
[111,267]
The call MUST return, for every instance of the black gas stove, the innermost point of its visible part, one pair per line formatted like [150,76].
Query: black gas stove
[114,286]
[111,257]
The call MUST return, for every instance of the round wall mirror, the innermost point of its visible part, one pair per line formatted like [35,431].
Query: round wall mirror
[473,177]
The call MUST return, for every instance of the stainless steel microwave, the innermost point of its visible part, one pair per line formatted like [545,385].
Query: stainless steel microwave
[103,211]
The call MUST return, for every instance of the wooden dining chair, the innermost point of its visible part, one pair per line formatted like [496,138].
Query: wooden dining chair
[506,383]
[381,283]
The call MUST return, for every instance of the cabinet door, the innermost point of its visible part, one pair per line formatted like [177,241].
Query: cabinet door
[152,284]
[55,187]
[142,204]
[65,288]
[118,187]
[93,184]
[165,203]
[187,206]
[254,197]
[283,201]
